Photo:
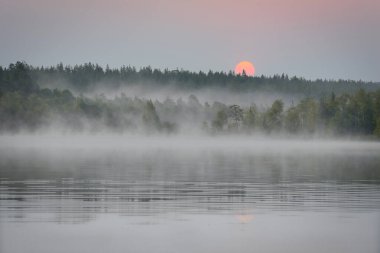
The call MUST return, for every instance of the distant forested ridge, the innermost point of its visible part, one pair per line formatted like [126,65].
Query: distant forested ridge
[83,78]
[25,106]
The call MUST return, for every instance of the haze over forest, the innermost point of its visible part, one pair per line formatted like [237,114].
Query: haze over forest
[89,98]
[207,126]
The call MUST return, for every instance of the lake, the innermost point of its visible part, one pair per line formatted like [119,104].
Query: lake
[188,194]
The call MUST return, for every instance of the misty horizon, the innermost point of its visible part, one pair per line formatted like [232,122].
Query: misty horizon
[194,126]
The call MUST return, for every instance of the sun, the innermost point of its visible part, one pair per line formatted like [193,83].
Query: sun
[245,66]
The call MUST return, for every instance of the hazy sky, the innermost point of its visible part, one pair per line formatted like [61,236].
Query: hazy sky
[310,38]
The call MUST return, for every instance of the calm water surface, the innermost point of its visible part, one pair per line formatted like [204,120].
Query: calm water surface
[189,196]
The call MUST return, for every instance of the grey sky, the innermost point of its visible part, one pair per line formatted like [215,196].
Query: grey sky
[314,39]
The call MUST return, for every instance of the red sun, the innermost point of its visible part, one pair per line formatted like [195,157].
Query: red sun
[245,66]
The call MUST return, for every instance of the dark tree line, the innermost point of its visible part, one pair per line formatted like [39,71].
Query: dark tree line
[83,78]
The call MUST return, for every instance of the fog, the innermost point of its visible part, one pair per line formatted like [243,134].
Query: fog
[57,111]
[204,95]
[190,142]
[80,188]
[157,91]
[176,159]
[127,111]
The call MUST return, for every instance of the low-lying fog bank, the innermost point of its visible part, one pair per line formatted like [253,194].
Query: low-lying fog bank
[53,110]
[204,95]
[255,143]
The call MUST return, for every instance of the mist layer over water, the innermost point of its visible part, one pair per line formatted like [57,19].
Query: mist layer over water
[188,194]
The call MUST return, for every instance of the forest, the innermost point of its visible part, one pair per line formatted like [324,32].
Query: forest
[87,77]
[327,107]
